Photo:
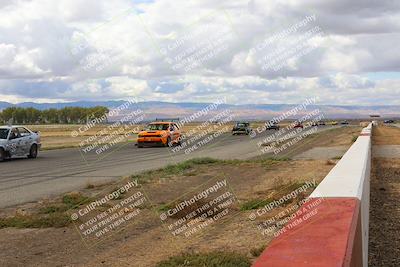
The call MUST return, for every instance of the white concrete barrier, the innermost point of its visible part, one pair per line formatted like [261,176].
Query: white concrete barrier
[351,178]
[337,233]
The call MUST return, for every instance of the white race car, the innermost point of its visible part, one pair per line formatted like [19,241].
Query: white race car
[18,141]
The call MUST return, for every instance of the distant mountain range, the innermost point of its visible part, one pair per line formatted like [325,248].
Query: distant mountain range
[156,109]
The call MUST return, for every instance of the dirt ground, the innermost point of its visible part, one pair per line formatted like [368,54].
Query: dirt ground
[332,152]
[384,241]
[131,246]
[329,145]
[333,138]
[384,135]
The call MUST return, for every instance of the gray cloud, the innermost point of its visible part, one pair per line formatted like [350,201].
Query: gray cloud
[75,49]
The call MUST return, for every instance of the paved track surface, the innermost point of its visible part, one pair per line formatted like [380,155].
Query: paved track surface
[59,171]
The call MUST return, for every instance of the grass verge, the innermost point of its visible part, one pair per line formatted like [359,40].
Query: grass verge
[50,215]
[56,219]
[54,214]
[283,190]
[256,252]
[212,259]
[186,167]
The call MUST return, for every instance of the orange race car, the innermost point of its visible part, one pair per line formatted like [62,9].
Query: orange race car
[165,133]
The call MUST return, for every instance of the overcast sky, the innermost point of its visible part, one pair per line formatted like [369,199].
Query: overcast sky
[257,51]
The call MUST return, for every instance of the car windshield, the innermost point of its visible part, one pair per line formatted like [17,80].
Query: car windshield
[4,133]
[241,124]
[157,127]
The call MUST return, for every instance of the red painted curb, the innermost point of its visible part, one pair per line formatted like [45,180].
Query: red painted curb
[331,237]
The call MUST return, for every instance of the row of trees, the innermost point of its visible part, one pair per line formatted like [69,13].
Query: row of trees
[76,115]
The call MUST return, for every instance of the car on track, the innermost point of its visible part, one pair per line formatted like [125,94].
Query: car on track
[18,141]
[322,123]
[388,121]
[274,126]
[345,122]
[161,133]
[241,128]
[298,125]
[334,123]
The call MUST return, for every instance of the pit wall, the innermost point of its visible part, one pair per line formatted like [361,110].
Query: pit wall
[335,232]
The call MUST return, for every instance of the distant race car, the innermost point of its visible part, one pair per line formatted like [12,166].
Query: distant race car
[334,123]
[298,125]
[164,133]
[18,141]
[274,126]
[322,123]
[345,122]
[241,128]
[388,121]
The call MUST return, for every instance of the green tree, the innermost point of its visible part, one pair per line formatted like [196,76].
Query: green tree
[65,115]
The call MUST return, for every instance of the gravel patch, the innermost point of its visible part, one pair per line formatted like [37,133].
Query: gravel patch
[387,151]
[323,153]
[384,235]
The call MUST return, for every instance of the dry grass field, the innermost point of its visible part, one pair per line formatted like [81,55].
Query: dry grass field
[62,136]
[384,242]
[385,135]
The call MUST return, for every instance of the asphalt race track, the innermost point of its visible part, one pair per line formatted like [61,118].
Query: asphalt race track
[59,171]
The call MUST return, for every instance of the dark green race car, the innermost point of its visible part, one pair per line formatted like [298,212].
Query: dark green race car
[241,128]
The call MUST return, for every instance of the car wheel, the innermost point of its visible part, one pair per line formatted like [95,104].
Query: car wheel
[2,155]
[33,152]
[139,145]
